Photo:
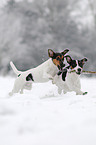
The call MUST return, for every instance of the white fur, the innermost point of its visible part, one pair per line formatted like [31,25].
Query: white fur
[42,73]
[72,83]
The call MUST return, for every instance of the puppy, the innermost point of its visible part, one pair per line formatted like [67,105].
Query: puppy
[42,73]
[69,81]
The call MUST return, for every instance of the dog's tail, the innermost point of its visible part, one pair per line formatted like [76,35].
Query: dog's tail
[17,72]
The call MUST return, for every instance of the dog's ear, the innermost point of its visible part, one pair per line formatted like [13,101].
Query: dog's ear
[65,51]
[51,53]
[68,59]
[84,60]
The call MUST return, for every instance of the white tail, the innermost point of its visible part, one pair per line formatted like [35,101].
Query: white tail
[14,68]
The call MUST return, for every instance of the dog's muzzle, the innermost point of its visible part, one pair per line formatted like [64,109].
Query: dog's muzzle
[61,66]
[79,70]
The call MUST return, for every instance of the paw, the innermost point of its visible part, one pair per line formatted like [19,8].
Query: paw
[79,93]
[59,91]
[53,82]
[21,92]
[85,93]
[10,94]
[50,78]
[64,92]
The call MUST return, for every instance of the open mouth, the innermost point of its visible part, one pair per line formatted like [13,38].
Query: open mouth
[78,73]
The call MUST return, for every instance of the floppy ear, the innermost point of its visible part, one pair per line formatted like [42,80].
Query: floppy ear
[50,53]
[84,60]
[65,51]
[68,59]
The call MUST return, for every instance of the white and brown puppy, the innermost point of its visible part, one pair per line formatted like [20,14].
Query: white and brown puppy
[42,73]
[67,81]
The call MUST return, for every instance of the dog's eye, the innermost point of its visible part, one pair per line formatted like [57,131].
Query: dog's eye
[80,64]
[62,57]
[58,58]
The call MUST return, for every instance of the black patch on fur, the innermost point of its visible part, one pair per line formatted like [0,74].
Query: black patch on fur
[59,73]
[56,55]
[64,75]
[63,70]
[80,63]
[29,77]
[19,75]
[73,63]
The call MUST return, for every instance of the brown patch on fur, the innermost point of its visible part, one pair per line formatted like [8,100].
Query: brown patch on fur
[71,67]
[56,62]
[62,57]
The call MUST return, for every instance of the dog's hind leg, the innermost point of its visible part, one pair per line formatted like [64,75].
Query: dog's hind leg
[28,85]
[21,91]
[18,85]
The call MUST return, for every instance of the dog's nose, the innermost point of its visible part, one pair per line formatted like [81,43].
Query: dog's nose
[79,69]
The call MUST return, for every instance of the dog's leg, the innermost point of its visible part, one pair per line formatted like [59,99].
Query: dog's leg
[79,92]
[64,92]
[18,85]
[10,93]
[21,91]
[59,90]
[46,75]
[28,85]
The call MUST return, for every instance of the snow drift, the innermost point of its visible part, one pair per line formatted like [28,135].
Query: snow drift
[42,117]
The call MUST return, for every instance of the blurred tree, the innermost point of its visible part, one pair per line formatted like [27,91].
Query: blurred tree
[27,30]
[92,6]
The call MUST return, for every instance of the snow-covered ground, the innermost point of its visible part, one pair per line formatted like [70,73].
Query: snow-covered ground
[42,117]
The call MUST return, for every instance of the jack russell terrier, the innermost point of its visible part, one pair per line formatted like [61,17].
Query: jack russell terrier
[69,81]
[41,73]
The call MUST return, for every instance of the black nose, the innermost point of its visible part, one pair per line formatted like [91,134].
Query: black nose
[79,69]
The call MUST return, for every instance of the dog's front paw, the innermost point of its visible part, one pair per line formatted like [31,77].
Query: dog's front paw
[85,93]
[10,94]
[21,92]
[50,78]
[53,82]
[59,91]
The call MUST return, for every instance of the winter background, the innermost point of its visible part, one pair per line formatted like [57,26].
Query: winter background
[28,28]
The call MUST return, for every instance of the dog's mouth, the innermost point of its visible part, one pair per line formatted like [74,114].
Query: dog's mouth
[60,67]
[78,73]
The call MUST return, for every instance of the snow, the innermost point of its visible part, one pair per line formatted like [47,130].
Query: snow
[42,117]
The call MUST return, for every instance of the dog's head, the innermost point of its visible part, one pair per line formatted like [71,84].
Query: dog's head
[57,58]
[76,65]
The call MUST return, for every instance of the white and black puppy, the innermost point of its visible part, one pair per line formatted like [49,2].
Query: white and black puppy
[42,73]
[68,81]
